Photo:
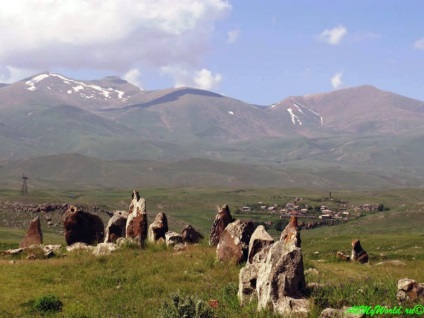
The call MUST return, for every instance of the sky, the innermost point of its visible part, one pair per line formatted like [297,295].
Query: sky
[259,52]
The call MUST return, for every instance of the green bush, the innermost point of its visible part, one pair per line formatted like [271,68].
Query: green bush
[49,303]
[185,307]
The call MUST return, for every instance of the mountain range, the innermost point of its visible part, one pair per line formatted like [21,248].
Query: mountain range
[362,129]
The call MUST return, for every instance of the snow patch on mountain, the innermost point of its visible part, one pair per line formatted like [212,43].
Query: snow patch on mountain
[298,105]
[294,118]
[86,90]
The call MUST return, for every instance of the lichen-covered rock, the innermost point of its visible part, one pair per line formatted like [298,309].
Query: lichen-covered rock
[104,249]
[173,238]
[82,227]
[34,235]
[222,219]
[234,241]
[136,226]
[158,228]
[79,247]
[276,275]
[116,227]
[190,235]
[259,240]
[408,290]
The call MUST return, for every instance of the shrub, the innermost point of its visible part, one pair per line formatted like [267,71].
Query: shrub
[185,307]
[49,303]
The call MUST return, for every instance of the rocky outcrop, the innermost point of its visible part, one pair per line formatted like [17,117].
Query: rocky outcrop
[82,227]
[158,228]
[173,238]
[358,253]
[103,249]
[190,235]
[408,290]
[136,226]
[33,234]
[222,219]
[79,247]
[116,227]
[234,241]
[276,275]
[260,239]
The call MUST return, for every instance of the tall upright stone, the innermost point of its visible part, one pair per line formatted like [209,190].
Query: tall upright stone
[234,241]
[276,276]
[116,227]
[136,226]
[222,219]
[158,228]
[33,235]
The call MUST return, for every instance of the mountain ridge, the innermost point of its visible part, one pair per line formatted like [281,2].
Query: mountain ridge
[111,119]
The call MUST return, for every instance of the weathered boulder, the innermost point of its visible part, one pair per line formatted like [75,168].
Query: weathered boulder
[78,246]
[173,238]
[408,290]
[259,240]
[342,256]
[248,276]
[222,219]
[190,235]
[136,226]
[234,241]
[158,228]
[104,249]
[280,280]
[33,234]
[82,227]
[116,227]
[358,253]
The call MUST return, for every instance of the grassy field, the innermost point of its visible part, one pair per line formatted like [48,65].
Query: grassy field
[135,283]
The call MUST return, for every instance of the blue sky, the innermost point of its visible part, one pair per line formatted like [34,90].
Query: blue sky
[256,51]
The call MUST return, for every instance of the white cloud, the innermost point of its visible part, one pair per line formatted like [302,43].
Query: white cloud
[419,44]
[233,35]
[133,77]
[332,36]
[336,80]
[10,74]
[107,34]
[203,79]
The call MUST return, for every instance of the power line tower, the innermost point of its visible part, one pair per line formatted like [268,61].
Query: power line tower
[24,189]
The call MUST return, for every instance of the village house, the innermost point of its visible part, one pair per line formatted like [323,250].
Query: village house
[246,209]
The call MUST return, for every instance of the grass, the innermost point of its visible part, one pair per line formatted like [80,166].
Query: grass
[135,283]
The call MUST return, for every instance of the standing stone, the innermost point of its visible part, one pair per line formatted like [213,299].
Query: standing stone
[33,234]
[358,253]
[116,227]
[234,241]
[190,235]
[136,226]
[276,276]
[81,226]
[222,219]
[259,240]
[158,228]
